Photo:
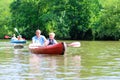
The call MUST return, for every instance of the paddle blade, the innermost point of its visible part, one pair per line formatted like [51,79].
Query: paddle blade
[7,37]
[16,29]
[74,44]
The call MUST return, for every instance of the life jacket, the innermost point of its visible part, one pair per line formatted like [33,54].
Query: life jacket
[51,41]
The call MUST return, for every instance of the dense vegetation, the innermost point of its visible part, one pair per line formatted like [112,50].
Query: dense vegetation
[5,17]
[69,19]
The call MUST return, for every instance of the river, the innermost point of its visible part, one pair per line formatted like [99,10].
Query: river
[94,60]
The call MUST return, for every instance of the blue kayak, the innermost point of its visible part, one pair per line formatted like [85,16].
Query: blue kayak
[18,41]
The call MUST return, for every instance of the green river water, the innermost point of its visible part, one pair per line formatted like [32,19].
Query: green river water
[94,60]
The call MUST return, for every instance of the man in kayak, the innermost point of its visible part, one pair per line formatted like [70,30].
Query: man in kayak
[39,39]
[51,39]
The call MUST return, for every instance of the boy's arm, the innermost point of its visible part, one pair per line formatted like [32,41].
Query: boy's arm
[55,41]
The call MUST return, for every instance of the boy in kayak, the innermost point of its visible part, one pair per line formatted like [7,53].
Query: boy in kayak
[51,39]
[39,40]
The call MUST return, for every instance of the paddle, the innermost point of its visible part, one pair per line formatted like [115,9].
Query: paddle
[16,31]
[7,37]
[74,44]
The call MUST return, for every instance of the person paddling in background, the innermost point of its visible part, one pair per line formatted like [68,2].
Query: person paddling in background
[14,37]
[51,39]
[38,39]
[20,37]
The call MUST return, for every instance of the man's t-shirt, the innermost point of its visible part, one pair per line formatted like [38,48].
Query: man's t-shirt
[40,40]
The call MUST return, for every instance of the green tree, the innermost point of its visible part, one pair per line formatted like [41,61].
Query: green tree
[5,17]
[69,19]
[79,15]
[109,20]
[95,8]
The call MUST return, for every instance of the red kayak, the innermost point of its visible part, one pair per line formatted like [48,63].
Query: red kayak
[58,49]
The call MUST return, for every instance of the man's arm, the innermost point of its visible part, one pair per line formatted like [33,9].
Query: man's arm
[45,41]
[33,39]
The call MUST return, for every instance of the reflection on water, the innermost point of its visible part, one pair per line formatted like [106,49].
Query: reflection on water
[94,60]
[55,67]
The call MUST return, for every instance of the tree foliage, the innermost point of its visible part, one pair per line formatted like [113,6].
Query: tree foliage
[69,19]
[109,20]
[5,17]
